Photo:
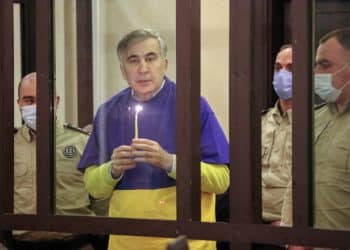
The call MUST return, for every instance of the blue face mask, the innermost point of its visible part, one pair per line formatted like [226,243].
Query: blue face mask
[282,83]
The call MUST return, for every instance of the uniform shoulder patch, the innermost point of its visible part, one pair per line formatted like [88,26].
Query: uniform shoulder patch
[320,105]
[77,129]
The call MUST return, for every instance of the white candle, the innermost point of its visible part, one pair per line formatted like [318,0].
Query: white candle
[138,108]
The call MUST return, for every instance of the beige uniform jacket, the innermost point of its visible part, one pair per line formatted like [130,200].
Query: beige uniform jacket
[276,159]
[71,195]
[331,170]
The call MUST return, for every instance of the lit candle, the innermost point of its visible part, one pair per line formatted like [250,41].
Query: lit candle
[138,108]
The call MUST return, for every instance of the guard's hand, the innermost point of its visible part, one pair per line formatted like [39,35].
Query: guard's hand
[121,160]
[148,151]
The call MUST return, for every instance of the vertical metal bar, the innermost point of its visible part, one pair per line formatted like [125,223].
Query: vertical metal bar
[28,32]
[188,109]
[261,68]
[45,108]
[6,109]
[84,61]
[241,89]
[302,34]
[245,106]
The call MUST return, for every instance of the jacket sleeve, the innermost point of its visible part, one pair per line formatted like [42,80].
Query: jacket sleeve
[215,178]
[287,207]
[99,182]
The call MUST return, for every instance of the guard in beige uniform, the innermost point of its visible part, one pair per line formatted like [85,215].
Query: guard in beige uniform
[332,136]
[71,195]
[276,160]
[276,151]
[332,168]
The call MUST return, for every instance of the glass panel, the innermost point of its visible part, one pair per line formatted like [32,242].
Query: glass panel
[72,198]
[276,138]
[215,57]
[215,75]
[111,21]
[276,119]
[17,61]
[23,177]
[332,144]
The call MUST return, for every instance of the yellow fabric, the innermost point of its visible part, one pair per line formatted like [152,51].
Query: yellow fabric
[276,160]
[156,204]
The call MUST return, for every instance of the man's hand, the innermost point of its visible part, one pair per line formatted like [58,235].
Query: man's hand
[121,160]
[148,151]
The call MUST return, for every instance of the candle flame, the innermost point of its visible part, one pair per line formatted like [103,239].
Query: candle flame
[138,108]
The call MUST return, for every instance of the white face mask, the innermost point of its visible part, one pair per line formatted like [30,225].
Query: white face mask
[324,87]
[29,115]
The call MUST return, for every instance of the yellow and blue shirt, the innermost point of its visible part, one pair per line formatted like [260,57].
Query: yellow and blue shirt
[152,187]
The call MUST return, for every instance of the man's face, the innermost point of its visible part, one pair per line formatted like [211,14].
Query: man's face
[284,60]
[332,58]
[27,92]
[143,68]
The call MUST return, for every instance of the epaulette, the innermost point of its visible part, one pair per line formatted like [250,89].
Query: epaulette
[70,126]
[320,105]
[15,130]
[264,111]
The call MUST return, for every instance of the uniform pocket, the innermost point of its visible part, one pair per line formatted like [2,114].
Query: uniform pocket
[341,156]
[21,170]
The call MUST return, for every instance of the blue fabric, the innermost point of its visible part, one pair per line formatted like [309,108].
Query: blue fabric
[114,126]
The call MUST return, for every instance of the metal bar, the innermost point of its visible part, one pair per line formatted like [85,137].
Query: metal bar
[257,233]
[84,62]
[188,109]
[248,38]
[262,67]
[28,31]
[6,109]
[241,110]
[45,108]
[6,106]
[302,112]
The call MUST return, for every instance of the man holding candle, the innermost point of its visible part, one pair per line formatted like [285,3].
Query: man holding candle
[131,153]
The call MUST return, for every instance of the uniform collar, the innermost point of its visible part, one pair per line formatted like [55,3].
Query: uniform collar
[279,115]
[334,110]
[28,133]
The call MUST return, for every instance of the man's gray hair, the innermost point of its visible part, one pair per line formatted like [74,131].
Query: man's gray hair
[140,35]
